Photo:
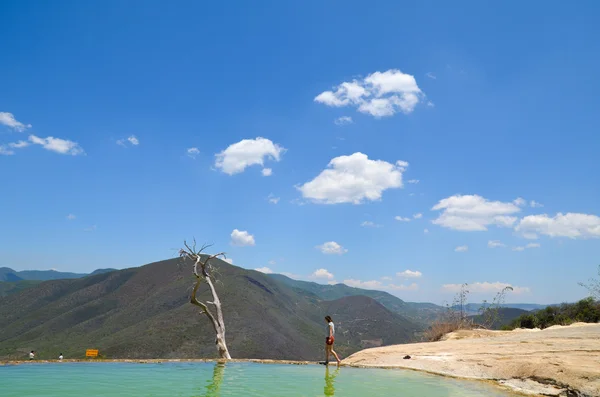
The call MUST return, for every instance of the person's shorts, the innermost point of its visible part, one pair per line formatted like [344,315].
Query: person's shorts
[329,340]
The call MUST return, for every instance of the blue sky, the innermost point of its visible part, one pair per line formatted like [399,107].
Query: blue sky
[292,136]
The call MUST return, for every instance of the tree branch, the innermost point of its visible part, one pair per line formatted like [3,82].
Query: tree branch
[205,310]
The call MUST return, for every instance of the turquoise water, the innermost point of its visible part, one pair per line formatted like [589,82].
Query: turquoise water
[232,379]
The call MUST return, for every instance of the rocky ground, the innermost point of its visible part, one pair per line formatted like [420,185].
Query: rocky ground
[558,361]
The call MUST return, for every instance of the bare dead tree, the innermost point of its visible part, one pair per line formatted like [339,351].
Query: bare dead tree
[203,271]
[490,313]
[593,286]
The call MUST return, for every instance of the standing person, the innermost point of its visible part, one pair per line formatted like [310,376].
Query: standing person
[32,355]
[60,357]
[330,340]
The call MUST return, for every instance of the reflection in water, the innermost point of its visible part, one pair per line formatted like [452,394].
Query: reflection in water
[214,386]
[329,390]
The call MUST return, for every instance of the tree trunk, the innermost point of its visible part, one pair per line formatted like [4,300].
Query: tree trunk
[220,339]
[222,347]
[204,274]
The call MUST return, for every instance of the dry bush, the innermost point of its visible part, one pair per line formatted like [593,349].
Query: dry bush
[452,320]
[439,328]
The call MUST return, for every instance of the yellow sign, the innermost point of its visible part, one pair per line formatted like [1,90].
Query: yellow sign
[91,353]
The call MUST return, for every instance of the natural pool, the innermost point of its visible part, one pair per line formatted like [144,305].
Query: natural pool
[232,379]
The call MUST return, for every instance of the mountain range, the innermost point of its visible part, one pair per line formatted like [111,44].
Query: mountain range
[8,274]
[145,312]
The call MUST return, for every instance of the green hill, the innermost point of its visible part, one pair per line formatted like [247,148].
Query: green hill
[145,313]
[506,315]
[8,274]
[12,287]
[423,313]
[12,281]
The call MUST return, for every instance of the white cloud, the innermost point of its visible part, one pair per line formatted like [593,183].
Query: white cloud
[265,270]
[495,244]
[572,225]
[57,145]
[272,262]
[90,229]
[528,246]
[6,151]
[535,204]
[132,139]
[401,219]
[8,119]
[380,94]
[409,274]
[430,75]
[267,172]
[430,104]
[386,278]
[272,199]
[19,144]
[474,213]
[322,274]
[241,238]
[418,216]
[353,179]
[344,120]
[246,153]
[369,224]
[530,236]
[372,284]
[414,181]
[378,285]
[292,276]
[193,152]
[402,164]
[484,287]
[425,231]
[394,287]
[71,217]
[462,248]
[331,247]
[519,201]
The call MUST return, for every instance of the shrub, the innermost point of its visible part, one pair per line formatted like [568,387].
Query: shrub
[440,328]
[586,310]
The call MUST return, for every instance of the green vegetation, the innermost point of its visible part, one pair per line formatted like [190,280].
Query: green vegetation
[586,311]
[504,316]
[8,274]
[145,313]
[12,281]
[12,287]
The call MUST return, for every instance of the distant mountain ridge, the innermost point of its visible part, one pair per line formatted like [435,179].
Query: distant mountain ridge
[8,274]
[505,316]
[422,313]
[473,308]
